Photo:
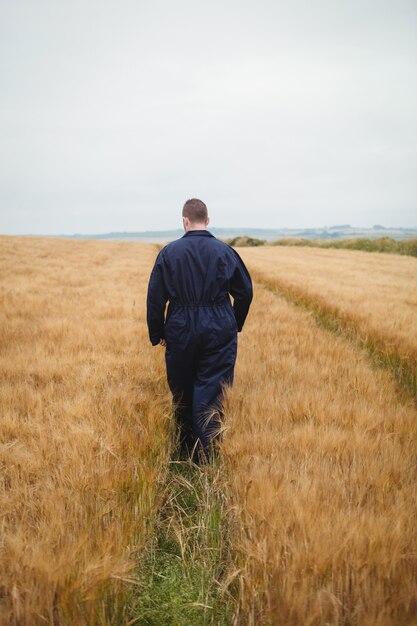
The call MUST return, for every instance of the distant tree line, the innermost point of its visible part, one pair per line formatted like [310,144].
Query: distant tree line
[244,242]
[381,244]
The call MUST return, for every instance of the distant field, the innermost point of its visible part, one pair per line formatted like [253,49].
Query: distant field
[386,244]
[379,244]
[316,481]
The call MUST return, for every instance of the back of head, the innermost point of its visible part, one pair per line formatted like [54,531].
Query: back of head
[195,210]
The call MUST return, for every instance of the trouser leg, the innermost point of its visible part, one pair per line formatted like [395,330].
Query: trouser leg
[214,371]
[179,366]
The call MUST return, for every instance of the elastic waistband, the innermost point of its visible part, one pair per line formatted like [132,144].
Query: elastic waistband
[192,305]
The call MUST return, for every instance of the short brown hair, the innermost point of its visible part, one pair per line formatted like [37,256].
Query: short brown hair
[195,210]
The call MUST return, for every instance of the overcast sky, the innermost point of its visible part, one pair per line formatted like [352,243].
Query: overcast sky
[276,114]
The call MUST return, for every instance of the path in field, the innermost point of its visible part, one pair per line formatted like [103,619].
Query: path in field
[183,568]
[319,462]
[370,298]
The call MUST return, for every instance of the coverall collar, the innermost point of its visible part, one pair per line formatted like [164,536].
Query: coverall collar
[204,233]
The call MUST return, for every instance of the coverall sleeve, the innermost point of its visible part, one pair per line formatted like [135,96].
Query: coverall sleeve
[241,290]
[156,301]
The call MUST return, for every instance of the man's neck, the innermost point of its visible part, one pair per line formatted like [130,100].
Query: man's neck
[197,227]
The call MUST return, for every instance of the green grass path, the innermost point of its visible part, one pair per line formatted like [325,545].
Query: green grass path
[182,573]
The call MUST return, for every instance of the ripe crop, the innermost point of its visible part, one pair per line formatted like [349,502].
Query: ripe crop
[319,453]
[310,518]
[83,439]
[369,297]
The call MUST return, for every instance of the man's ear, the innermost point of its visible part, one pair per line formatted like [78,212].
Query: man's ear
[207,221]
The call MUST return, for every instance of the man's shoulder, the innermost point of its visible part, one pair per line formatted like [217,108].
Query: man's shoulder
[172,245]
[218,243]
[170,249]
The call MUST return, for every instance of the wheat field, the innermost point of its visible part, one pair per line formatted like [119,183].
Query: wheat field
[372,295]
[84,427]
[318,459]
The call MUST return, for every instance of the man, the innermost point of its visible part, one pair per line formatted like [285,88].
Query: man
[196,274]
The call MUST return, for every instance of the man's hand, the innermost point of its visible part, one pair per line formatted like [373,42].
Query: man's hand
[162,342]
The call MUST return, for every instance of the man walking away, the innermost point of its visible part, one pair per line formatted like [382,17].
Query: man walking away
[196,274]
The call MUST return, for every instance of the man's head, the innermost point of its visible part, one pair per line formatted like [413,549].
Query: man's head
[194,215]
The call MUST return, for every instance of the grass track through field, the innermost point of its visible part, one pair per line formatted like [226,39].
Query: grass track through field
[183,570]
[332,319]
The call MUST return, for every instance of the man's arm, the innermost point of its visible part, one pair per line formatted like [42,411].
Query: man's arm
[241,290]
[156,301]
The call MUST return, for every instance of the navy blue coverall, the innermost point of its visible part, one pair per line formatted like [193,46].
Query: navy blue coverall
[196,274]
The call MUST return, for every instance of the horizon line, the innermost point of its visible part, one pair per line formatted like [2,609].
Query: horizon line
[374,227]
